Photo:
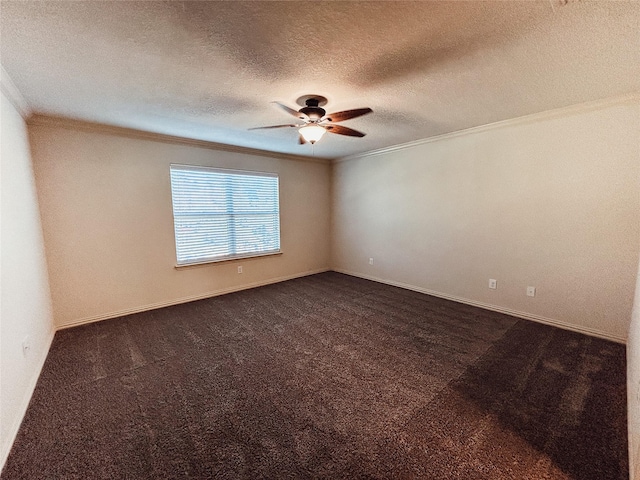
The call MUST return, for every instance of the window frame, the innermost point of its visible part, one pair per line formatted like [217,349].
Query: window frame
[225,258]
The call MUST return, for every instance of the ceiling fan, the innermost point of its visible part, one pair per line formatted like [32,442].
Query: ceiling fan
[317,121]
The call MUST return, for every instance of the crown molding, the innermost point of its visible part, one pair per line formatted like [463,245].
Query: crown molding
[91,127]
[63,122]
[13,94]
[531,118]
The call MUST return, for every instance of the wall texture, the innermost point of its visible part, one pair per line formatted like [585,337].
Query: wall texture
[25,303]
[549,201]
[108,225]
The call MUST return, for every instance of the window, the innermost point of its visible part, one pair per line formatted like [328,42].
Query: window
[224,214]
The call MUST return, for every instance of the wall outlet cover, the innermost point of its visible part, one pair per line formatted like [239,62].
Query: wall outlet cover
[26,345]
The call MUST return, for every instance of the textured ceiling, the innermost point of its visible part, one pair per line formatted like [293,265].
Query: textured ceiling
[209,70]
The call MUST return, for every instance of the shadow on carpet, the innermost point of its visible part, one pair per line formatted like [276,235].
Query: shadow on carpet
[326,376]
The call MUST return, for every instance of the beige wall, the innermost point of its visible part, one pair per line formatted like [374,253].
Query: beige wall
[25,303]
[551,201]
[108,225]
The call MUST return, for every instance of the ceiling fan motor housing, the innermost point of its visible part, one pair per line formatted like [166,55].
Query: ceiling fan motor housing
[315,119]
[312,110]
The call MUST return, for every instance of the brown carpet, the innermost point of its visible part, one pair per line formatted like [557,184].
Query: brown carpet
[327,376]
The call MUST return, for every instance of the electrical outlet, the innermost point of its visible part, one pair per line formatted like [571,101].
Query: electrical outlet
[26,345]
[240,269]
[370,260]
[531,291]
[493,283]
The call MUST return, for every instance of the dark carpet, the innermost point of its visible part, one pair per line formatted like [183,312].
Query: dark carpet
[327,376]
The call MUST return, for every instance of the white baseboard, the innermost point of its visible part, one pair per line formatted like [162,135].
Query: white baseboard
[17,422]
[15,427]
[495,308]
[215,293]
[6,446]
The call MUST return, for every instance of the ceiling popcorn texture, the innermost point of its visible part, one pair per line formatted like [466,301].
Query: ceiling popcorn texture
[210,70]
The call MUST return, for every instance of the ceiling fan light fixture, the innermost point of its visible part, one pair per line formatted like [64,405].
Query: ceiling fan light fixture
[312,133]
[317,121]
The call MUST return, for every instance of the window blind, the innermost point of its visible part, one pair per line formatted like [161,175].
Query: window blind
[224,214]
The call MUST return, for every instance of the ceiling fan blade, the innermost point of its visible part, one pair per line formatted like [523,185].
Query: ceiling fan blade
[346,114]
[276,126]
[291,111]
[340,130]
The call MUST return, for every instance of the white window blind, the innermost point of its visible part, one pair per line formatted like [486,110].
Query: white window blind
[224,214]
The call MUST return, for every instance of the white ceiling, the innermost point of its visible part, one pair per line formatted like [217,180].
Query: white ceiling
[209,70]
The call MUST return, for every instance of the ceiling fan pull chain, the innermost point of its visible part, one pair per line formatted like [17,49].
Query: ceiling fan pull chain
[315,118]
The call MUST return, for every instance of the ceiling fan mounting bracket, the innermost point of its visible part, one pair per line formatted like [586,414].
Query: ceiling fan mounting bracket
[302,101]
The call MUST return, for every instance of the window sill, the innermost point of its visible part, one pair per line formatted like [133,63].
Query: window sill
[225,260]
